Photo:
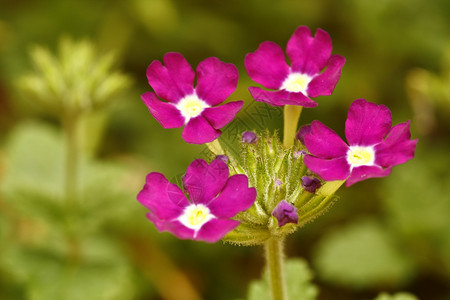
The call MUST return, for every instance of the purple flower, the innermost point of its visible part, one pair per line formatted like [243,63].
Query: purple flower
[374,147]
[295,84]
[214,198]
[310,183]
[285,213]
[196,108]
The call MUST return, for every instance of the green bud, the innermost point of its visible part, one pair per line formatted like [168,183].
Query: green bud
[76,80]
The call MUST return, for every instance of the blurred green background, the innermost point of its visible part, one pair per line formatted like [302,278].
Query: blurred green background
[390,234]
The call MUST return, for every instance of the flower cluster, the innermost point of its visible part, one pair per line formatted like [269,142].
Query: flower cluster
[274,187]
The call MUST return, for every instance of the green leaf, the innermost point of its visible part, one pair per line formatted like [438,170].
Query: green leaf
[298,282]
[101,272]
[398,296]
[417,207]
[34,180]
[361,255]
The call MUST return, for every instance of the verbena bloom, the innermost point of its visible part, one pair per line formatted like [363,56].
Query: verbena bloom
[373,146]
[196,108]
[285,212]
[214,198]
[295,84]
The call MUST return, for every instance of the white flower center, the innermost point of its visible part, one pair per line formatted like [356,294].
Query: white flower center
[296,82]
[361,156]
[195,216]
[191,106]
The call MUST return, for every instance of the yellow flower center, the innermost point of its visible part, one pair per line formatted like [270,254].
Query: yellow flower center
[191,106]
[296,82]
[360,156]
[195,215]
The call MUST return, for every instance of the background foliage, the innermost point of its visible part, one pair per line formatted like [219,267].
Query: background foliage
[390,234]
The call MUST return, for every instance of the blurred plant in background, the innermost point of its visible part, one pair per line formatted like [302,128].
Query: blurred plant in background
[403,218]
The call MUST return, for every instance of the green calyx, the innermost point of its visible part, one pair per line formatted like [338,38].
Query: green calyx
[275,172]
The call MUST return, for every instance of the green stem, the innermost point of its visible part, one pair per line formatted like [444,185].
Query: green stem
[291,117]
[330,187]
[70,124]
[215,147]
[274,260]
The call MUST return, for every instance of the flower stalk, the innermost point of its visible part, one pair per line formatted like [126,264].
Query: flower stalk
[215,147]
[291,117]
[274,261]
[71,124]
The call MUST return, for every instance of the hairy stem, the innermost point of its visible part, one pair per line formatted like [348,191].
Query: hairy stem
[291,117]
[274,261]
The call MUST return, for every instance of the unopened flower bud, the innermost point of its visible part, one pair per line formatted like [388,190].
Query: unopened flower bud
[304,130]
[278,182]
[298,154]
[223,158]
[310,183]
[285,213]
[249,137]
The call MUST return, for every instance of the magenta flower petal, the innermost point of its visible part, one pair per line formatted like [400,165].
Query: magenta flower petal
[215,230]
[267,65]
[216,80]
[172,81]
[324,84]
[280,98]
[221,115]
[236,196]
[308,54]
[199,131]
[203,182]
[328,169]
[371,153]
[304,130]
[206,216]
[161,197]
[293,85]
[324,142]
[172,226]
[165,113]
[397,148]
[366,172]
[367,123]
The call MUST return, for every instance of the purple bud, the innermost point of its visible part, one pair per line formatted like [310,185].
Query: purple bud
[223,158]
[285,213]
[310,183]
[249,137]
[304,130]
[278,182]
[298,154]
